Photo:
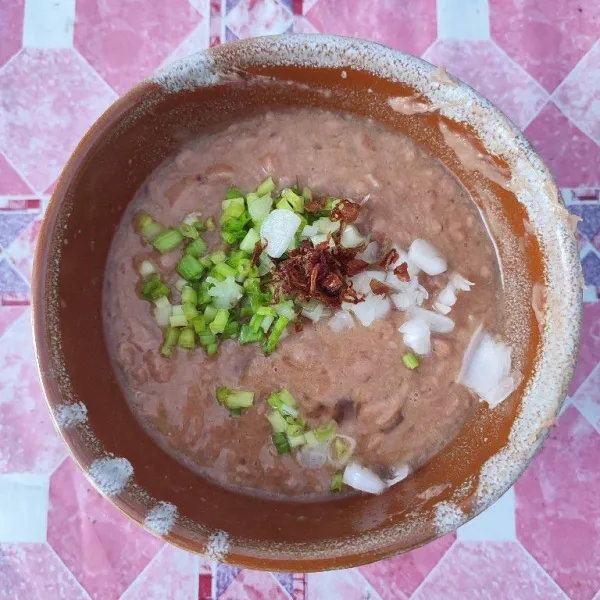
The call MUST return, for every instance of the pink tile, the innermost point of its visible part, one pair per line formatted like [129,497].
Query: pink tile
[22,406]
[11,183]
[408,26]
[254,585]
[11,28]
[8,315]
[303,25]
[339,585]
[56,97]
[195,42]
[404,574]
[589,351]
[587,398]
[486,571]
[172,574]
[258,17]
[558,510]
[579,94]
[547,38]
[20,252]
[126,40]
[34,572]
[571,155]
[504,83]
[215,23]
[93,538]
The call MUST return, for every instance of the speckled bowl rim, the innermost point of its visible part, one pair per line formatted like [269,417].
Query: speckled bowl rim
[537,193]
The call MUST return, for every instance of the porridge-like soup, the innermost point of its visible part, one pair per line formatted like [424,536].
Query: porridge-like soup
[288,302]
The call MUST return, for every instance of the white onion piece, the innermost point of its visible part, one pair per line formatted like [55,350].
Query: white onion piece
[416,335]
[371,253]
[400,472]
[436,322]
[447,296]
[162,314]
[363,479]
[313,457]
[460,283]
[351,237]
[486,369]
[192,218]
[146,269]
[278,229]
[181,283]
[314,310]
[325,225]
[338,463]
[427,257]
[177,310]
[362,282]
[441,308]
[372,308]
[409,293]
[308,231]
[340,321]
[320,238]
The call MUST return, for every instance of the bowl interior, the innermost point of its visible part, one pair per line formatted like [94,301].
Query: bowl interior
[112,162]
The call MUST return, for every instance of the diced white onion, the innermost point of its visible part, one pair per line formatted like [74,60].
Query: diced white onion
[409,293]
[460,283]
[278,229]
[309,231]
[416,336]
[447,296]
[351,237]
[162,302]
[340,321]
[400,472]
[320,238]
[362,282]
[427,257]
[371,253]
[313,457]
[486,369]
[436,322]
[226,293]
[441,308]
[325,225]
[180,284]
[363,479]
[176,310]
[192,218]
[146,269]
[265,264]
[372,308]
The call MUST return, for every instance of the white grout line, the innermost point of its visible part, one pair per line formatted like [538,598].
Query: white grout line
[62,562]
[34,191]
[435,568]
[99,77]
[136,581]
[281,586]
[13,57]
[373,593]
[223,15]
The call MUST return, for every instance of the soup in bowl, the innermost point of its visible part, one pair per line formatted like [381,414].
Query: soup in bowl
[305,302]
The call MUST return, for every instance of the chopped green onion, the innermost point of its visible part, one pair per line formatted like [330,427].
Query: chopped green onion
[267,310]
[190,268]
[187,338]
[247,336]
[232,208]
[196,248]
[266,187]
[255,322]
[189,310]
[188,231]
[288,410]
[219,323]
[259,208]
[204,296]
[167,241]
[210,224]
[171,337]
[283,204]
[294,430]
[341,448]
[297,440]
[246,311]
[311,438]
[278,423]
[178,321]
[146,269]
[154,289]
[149,228]
[210,312]
[224,270]
[234,399]
[212,349]
[324,432]
[307,193]
[180,284]
[337,482]
[249,241]
[293,199]
[218,257]
[266,323]
[236,258]
[207,338]
[189,294]
[281,443]
[199,324]
[410,360]
[276,332]
[275,400]
[286,309]
[233,192]
[193,219]
[231,330]
[287,398]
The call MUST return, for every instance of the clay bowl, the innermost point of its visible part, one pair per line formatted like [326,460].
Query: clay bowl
[523,209]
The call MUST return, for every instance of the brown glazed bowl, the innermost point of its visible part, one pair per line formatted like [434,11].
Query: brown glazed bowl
[507,180]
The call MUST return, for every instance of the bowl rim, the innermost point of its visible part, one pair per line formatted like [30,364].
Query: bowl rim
[560,337]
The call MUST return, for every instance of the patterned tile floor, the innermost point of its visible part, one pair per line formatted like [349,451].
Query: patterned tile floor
[61,63]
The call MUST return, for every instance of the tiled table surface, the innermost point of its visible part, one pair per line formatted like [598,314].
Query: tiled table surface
[62,62]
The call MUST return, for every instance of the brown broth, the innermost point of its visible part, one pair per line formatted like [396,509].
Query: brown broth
[356,376]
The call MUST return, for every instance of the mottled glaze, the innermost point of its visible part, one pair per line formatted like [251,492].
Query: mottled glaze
[371,528]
